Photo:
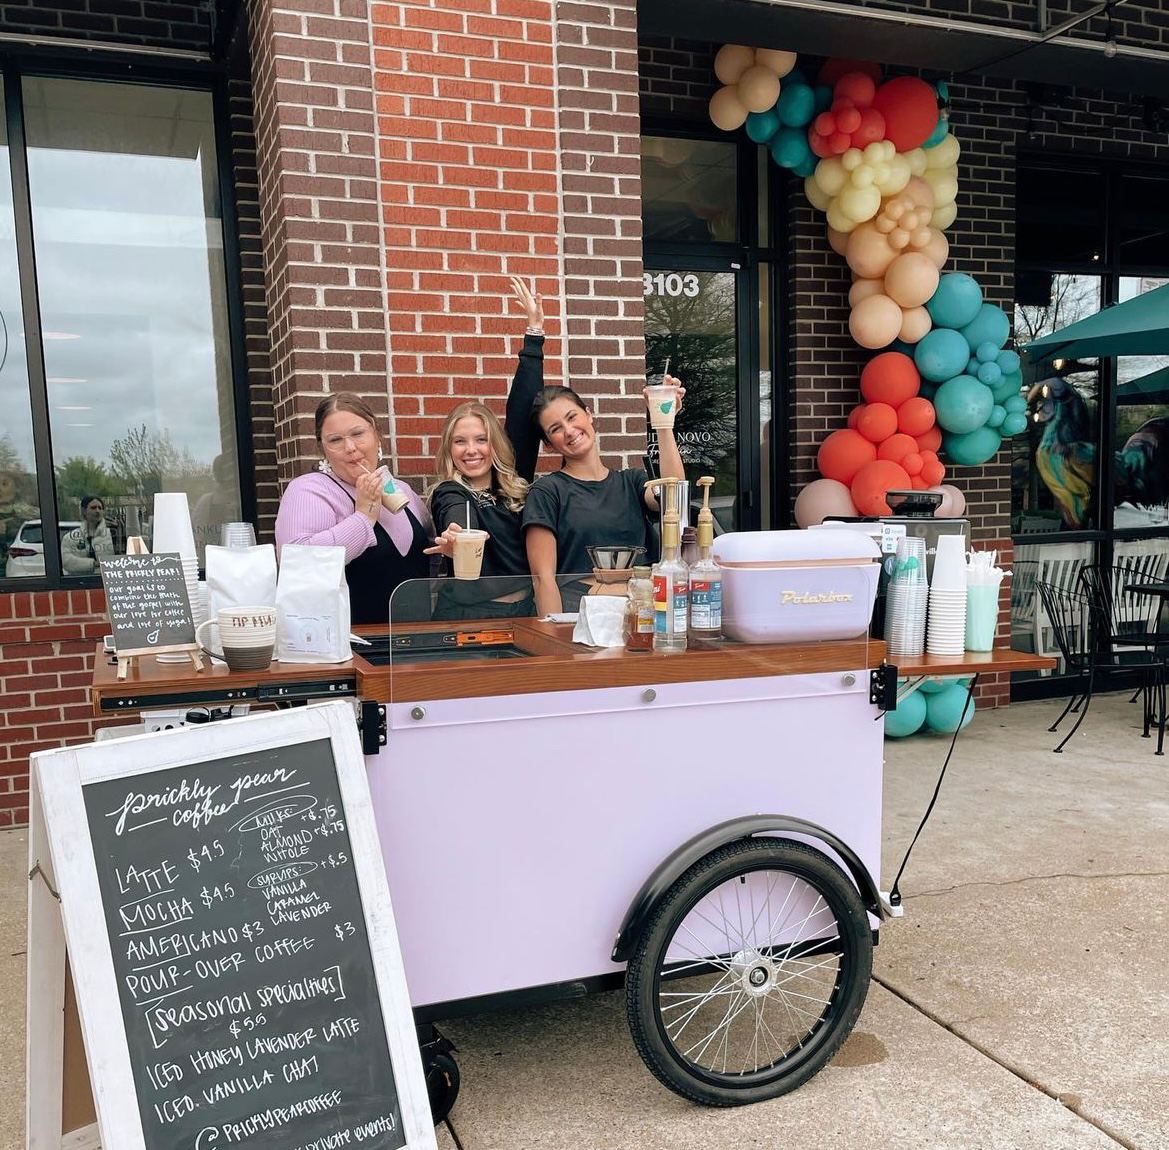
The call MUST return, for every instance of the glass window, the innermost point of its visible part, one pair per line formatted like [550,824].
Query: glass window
[1057,564]
[130,271]
[1053,466]
[688,189]
[1060,216]
[19,508]
[690,320]
[1140,491]
[1144,221]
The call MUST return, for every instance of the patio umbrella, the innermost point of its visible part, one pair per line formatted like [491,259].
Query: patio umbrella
[1140,326]
[1151,388]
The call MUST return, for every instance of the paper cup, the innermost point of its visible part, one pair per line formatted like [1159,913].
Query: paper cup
[663,405]
[468,553]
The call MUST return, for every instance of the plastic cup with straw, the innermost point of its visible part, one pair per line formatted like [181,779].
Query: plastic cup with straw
[467,549]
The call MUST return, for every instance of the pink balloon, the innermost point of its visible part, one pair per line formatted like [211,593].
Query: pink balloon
[821,498]
[952,498]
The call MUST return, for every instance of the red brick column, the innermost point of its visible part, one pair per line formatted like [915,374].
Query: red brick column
[312,88]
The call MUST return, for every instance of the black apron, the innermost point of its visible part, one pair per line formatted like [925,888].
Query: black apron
[374,574]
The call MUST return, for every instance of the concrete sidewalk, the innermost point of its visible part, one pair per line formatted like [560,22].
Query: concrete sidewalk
[1021,1002]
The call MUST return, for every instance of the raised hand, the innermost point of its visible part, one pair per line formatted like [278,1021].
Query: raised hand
[669,381]
[444,544]
[369,492]
[533,305]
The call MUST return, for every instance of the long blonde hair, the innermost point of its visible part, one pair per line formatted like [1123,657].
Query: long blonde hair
[505,483]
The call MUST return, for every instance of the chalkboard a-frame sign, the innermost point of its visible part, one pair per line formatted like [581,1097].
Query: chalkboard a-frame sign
[231,938]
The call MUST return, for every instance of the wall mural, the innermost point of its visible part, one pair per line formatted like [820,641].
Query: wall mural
[879,160]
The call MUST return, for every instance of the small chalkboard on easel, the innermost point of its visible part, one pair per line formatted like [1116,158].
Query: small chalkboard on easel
[146,598]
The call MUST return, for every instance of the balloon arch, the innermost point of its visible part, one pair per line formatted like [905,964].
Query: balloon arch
[879,160]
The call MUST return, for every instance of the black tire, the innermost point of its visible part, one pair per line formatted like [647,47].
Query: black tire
[442,1085]
[831,967]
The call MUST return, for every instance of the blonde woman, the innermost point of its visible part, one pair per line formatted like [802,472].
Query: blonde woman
[483,469]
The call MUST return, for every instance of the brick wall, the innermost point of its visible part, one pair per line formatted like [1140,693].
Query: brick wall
[185,24]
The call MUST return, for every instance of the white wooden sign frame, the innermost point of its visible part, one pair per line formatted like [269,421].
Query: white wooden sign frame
[60,827]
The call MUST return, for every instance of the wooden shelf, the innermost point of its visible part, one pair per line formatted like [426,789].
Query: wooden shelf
[1000,660]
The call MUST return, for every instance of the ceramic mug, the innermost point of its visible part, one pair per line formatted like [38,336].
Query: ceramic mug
[247,636]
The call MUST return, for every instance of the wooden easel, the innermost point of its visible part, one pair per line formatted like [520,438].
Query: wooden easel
[127,660]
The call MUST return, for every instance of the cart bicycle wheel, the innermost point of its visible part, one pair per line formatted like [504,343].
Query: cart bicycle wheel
[750,974]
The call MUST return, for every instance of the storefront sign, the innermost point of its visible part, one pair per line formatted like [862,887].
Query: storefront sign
[238,979]
[146,598]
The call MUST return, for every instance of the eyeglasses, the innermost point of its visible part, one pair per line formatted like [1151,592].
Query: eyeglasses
[359,437]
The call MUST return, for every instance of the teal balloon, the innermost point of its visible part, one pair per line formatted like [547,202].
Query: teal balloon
[933,686]
[985,352]
[823,95]
[972,448]
[1015,403]
[1008,361]
[943,91]
[996,417]
[962,404]
[939,132]
[789,147]
[941,354]
[956,302]
[908,718]
[797,104]
[990,325]
[944,710]
[1008,386]
[761,126]
[989,374]
[806,167]
[1015,423]
[972,366]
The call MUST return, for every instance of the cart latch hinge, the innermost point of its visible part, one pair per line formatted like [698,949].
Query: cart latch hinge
[883,687]
[371,722]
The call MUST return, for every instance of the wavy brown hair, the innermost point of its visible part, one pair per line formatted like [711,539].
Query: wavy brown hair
[348,402]
[506,484]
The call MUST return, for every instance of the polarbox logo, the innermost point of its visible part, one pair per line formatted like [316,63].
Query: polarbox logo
[814,598]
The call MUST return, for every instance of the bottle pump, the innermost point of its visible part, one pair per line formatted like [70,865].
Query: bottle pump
[670,574]
[706,580]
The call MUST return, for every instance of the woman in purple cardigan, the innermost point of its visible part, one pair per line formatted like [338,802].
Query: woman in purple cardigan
[341,505]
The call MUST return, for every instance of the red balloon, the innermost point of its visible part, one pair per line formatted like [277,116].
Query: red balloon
[848,116]
[872,128]
[891,378]
[930,440]
[916,416]
[913,463]
[819,145]
[843,454]
[839,143]
[857,87]
[855,414]
[910,108]
[932,470]
[832,70]
[872,481]
[877,422]
[898,447]
[824,124]
[919,484]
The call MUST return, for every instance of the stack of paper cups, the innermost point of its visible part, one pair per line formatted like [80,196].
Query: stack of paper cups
[173,535]
[946,627]
[905,599]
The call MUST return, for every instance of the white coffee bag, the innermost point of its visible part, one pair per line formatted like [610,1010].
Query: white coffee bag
[312,606]
[240,577]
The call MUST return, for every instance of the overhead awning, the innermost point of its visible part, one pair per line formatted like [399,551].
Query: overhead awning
[1139,326]
[937,44]
[1151,388]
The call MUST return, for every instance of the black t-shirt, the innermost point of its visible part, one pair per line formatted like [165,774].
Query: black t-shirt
[584,512]
[504,553]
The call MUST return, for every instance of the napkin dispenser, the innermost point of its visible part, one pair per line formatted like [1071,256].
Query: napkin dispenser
[797,586]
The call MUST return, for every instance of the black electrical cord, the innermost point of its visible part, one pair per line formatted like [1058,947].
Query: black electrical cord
[895,891]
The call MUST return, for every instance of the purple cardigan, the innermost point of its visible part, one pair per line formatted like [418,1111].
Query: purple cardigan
[316,511]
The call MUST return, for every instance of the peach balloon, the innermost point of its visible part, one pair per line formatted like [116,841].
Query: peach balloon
[862,289]
[911,279]
[838,241]
[937,248]
[920,192]
[779,61]
[726,110]
[731,61]
[821,498]
[868,252]
[758,88]
[875,322]
[916,324]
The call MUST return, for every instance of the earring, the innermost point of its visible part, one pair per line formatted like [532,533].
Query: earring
[325,467]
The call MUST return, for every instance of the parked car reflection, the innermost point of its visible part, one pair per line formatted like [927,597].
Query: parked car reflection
[26,555]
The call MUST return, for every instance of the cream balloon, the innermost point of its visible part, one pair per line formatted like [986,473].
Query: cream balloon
[862,289]
[875,322]
[838,242]
[944,154]
[758,88]
[868,252]
[859,204]
[911,279]
[917,161]
[915,324]
[895,176]
[727,111]
[837,220]
[731,61]
[779,61]
[817,197]
[945,187]
[944,217]
[830,176]
[938,247]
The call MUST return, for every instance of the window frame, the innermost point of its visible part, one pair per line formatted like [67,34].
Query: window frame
[194,75]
